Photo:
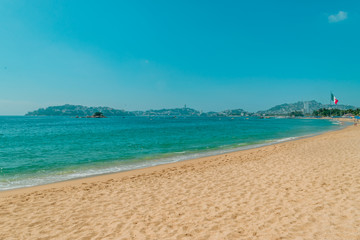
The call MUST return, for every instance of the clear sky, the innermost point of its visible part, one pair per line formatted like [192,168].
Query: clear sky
[210,55]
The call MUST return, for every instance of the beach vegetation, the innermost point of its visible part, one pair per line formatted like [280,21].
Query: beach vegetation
[296,114]
[98,114]
[329,112]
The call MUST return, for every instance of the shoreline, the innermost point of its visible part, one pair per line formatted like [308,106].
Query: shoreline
[303,189]
[203,155]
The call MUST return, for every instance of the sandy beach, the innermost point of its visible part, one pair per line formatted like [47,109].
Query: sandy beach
[303,189]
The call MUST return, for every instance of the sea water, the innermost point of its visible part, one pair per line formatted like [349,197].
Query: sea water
[40,150]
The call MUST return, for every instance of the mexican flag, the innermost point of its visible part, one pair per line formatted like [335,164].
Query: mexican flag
[334,99]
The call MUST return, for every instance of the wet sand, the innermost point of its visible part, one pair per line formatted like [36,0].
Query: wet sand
[303,189]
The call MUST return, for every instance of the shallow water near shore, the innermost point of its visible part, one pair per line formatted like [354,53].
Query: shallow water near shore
[40,150]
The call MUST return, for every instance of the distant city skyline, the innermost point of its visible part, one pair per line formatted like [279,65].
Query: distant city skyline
[209,55]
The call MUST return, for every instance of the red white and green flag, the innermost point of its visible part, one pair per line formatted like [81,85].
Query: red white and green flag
[334,99]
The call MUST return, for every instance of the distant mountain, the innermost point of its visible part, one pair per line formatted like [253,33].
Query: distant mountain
[78,110]
[306,107]
[190,112]
[81,111]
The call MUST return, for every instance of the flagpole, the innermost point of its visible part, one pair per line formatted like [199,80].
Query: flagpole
[331,94]
[331,102]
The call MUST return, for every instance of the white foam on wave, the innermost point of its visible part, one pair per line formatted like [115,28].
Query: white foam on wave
[122,167]
[285,139]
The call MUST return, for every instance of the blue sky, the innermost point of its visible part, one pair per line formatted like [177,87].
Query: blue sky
[210,55]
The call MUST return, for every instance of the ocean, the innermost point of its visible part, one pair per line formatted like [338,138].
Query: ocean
[41,150]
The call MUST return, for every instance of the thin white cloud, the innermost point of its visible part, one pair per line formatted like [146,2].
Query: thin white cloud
[341,16]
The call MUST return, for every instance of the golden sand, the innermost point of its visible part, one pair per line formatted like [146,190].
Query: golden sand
[304,189]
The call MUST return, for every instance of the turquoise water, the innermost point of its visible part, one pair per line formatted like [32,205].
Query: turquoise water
[39,150]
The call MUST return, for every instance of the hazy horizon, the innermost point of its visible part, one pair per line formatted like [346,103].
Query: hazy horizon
[129,110]
[210,55]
